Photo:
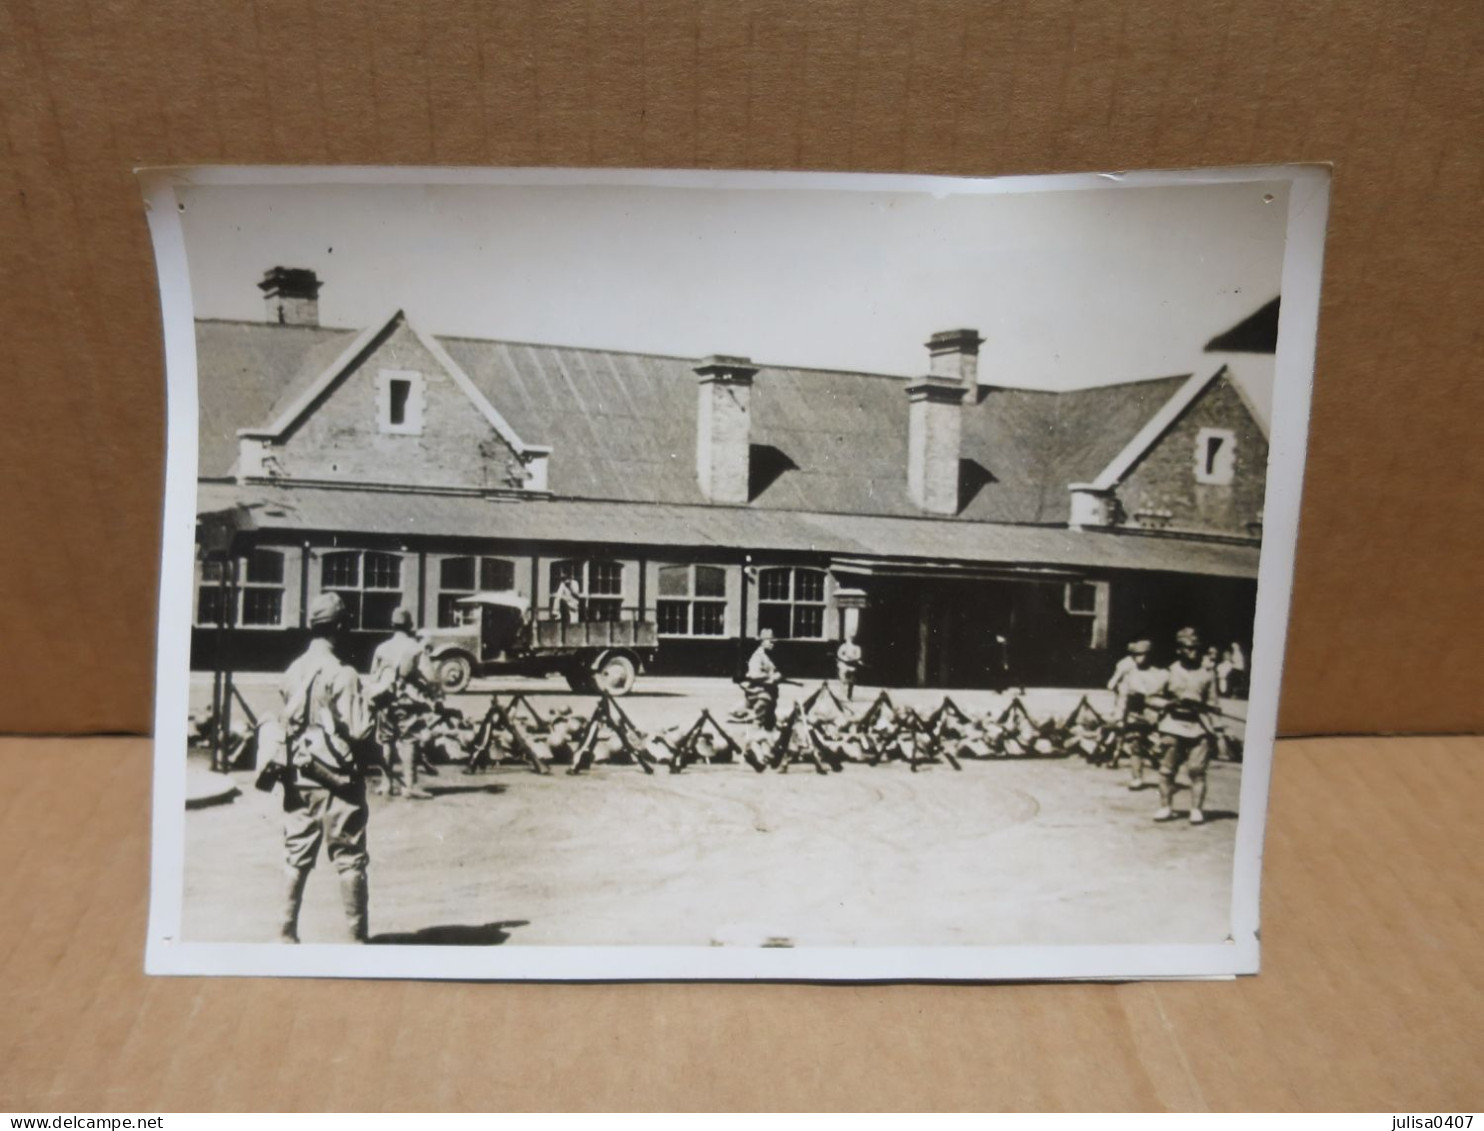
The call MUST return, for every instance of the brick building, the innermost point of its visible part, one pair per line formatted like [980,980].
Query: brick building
[973,534]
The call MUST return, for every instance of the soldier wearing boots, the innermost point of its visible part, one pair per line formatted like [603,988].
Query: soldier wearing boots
[401,724]
[1133,682]
[326,717]
[1186,734]
[760,685]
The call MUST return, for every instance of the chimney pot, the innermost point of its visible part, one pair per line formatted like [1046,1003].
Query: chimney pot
[724,427]
[954,354]
[291,295]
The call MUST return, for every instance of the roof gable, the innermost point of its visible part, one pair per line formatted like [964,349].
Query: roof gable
[300,398]
[1191,391]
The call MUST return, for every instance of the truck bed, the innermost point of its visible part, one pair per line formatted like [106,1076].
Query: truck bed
[552,635]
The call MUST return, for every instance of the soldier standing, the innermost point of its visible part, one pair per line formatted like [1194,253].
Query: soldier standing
[847,665]
[326,716]
[566,602]
[402,661]
[1133,682]
[760,685]
[1188,693]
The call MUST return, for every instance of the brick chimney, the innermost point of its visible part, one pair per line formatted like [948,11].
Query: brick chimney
[724,427]
[954,356]
[291,295]
[934,425]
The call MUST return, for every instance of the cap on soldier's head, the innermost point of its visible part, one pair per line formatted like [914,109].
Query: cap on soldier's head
[402,617]
[1188,638]
[327,608]
[765,634]
[1139,647]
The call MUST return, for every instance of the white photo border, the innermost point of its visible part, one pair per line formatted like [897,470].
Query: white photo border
[167,953]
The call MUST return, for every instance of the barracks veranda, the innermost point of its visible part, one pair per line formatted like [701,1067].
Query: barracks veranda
[969,534]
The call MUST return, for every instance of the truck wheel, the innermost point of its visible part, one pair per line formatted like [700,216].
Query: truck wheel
[454,672]
[617,674]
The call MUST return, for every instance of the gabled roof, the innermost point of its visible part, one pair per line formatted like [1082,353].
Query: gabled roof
[1155,427]
[1257,333]
[621,425]
[1161,422]
[1037,443]
[301,395]
[242,370]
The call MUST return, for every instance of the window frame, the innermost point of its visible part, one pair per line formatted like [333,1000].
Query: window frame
[412,421]
[239,590]
[1223,469]
[793,602]
[354,595]
[691,599]
[479,562]
[583,572]
[1097,616]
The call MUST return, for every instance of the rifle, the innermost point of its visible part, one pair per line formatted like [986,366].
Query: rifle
[779,682]
[1164,703]
[283,773]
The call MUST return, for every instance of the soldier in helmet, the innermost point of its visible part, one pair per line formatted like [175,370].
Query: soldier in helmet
[1188,700]
[402,661]
[326,718]
[1134,682]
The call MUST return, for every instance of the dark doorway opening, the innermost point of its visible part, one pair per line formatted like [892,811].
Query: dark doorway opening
[948,633]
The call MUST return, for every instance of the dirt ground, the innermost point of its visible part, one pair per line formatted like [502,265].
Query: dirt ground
[1004,852]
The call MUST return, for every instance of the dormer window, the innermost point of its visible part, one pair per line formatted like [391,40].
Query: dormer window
[1215,456]
[399,402]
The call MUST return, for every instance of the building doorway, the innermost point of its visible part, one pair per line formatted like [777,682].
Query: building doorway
[949,633]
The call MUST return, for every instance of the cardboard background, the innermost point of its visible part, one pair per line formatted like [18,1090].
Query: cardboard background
[1386,616]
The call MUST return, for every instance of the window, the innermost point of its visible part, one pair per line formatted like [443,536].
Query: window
[1082,598]
[399,401]
[791,603]
[600,582]
[1089,600]
[259,597]
[369,582]
[458,577]
[398,391]
[692,601]
[1215,456]
[261,585]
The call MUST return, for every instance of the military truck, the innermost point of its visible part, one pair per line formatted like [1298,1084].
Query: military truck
[499,634]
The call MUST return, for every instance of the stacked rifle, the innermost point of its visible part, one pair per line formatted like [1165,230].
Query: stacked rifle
[820,732]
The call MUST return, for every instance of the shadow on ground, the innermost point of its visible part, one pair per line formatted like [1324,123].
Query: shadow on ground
[1210,815]
[489,934]
[440,789]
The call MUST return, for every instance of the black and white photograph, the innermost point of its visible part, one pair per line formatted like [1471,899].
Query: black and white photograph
[633,574]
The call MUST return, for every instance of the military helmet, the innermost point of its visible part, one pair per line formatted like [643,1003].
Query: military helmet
[327,608]
[1188,638]
[1139,647]
[402,617]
